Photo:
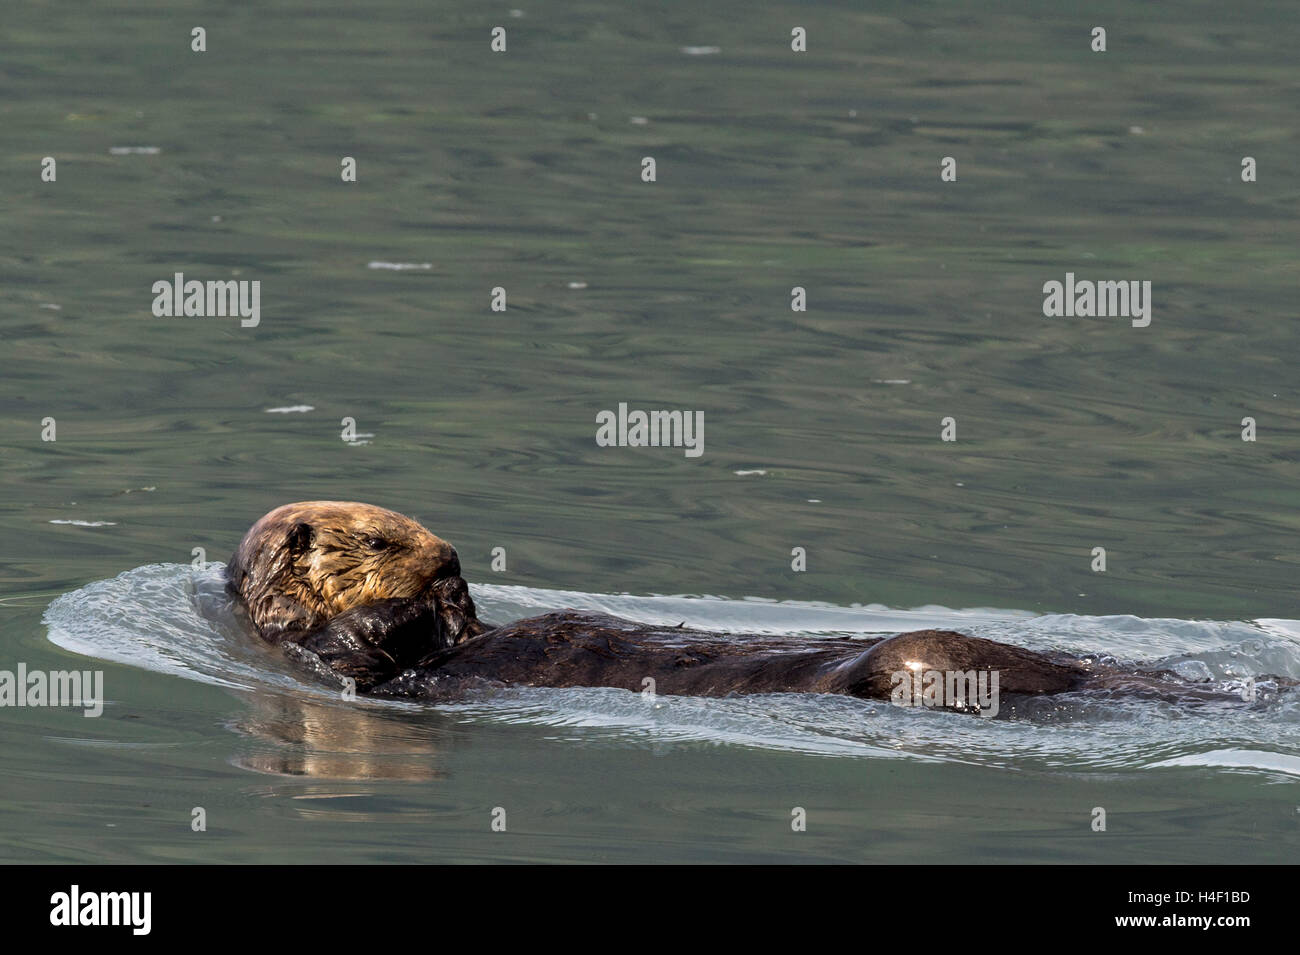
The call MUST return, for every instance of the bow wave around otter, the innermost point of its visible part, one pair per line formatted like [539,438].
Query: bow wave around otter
[356,592]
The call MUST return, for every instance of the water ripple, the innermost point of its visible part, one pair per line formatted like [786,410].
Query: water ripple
[170,618]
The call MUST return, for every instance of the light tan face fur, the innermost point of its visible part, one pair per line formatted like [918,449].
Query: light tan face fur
[304,563]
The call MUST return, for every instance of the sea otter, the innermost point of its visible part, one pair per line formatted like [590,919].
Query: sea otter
[359,592]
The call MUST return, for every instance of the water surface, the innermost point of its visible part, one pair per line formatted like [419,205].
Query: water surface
[521,170]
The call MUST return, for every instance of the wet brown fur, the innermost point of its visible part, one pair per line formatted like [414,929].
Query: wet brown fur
[355,591]
[303,564]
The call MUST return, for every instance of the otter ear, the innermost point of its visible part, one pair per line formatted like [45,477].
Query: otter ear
[300,537]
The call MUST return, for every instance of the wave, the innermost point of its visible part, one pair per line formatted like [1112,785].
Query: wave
[176,620]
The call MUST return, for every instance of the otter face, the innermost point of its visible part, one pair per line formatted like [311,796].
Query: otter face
[304,563]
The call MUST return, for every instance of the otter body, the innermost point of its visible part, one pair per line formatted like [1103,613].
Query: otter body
[567,648]
[357,592]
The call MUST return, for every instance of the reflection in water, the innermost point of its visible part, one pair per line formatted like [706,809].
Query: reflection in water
[307,737]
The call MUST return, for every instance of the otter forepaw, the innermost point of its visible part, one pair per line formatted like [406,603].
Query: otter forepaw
[313,664]
[373,643]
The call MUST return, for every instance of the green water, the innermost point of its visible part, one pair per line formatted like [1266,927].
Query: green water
[522,170]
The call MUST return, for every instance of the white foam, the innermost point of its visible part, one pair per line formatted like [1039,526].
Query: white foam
[1238,759]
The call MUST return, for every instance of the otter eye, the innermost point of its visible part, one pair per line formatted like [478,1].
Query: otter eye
[377,543]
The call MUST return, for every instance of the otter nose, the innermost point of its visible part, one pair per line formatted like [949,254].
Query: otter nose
[450,567]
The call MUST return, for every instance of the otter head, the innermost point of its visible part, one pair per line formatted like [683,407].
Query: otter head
[304,563]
